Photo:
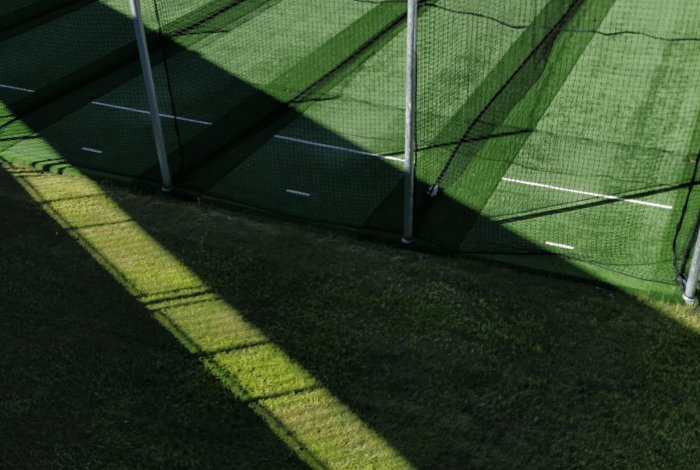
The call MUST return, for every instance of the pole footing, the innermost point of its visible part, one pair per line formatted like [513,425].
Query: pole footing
[689,300]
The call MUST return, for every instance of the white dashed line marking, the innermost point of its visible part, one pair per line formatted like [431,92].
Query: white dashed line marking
[559,245]
[16,88]
[143,111]
[196,121]
[298,192]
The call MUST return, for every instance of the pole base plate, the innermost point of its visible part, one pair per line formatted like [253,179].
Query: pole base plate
[690,300]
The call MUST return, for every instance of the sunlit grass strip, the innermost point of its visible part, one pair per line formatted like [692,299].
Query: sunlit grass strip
[312,422]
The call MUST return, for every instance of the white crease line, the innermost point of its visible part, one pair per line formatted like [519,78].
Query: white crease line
[298,192]
[575,191]
[301,141]
[133,110]
[143,111]
[186,119]
[91,150]
[342,149]
[16,88]
[559,245]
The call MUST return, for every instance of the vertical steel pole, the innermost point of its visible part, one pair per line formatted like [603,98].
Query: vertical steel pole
[692,282]
[410,131]
[151,92]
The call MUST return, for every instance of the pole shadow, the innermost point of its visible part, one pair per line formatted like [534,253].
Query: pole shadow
[90,379]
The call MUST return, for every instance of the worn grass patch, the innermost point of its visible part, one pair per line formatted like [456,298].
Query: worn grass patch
[143,332]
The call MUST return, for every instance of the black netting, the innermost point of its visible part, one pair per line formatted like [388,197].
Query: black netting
[560,127]
[564,127]
[299,104]
[62,90]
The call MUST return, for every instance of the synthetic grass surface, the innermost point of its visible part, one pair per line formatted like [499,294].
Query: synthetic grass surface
[612,113]
[597,154]
[244,72]
[441,362]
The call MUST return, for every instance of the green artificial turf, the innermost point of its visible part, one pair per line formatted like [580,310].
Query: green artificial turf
[592,110]
[145,332]
[609,115]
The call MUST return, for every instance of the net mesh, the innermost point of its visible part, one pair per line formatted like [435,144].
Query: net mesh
[562,127]
[63,94]
[14,12]
[303,103]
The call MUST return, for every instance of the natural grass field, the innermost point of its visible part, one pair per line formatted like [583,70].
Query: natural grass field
[142,332]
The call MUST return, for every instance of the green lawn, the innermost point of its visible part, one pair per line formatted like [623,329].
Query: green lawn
[145,332]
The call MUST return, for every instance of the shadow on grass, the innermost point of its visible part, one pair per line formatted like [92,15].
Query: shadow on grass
[89,379]
[455,364]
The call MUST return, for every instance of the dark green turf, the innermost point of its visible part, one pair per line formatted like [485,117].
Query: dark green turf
[69,122]
[15,13]
[362,112]
[607,113]
[616,235]
[54,58]
[301,75]
[505,126]
[644,161]
[40,13]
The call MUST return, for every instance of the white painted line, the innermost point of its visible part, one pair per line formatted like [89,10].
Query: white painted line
[605,196]
[342,149]
[298,192]
[559,245]
[143,111]
[186,119]
[124,108]
[91,150]
[16,88]
[301,141]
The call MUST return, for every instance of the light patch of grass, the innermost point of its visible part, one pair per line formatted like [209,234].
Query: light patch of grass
[256,370]
[450,363]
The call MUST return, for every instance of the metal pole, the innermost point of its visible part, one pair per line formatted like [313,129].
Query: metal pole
[410,131]
[692,281]
[151,92]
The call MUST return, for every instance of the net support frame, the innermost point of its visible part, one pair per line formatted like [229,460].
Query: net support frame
[151,92]
[692,281]
[410,129]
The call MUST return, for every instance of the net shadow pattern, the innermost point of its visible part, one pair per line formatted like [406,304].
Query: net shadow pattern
[561,127]
[572,124]
[308,116]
